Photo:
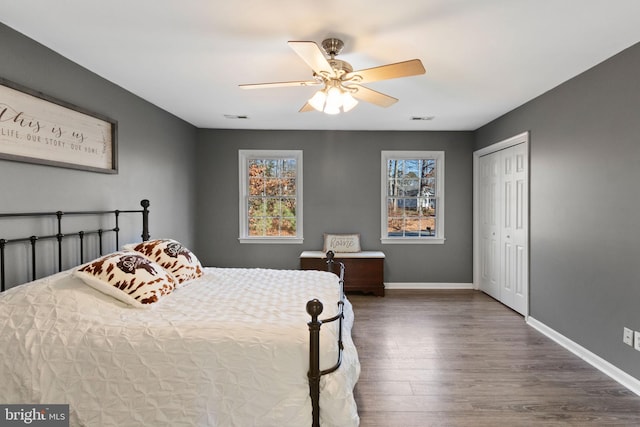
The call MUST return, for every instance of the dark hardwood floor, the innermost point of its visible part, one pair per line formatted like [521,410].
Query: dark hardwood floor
[460,358]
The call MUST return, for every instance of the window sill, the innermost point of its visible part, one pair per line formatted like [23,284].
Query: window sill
[412,241]
[271,240]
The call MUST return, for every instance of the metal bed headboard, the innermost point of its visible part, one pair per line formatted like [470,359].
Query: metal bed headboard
[60,236]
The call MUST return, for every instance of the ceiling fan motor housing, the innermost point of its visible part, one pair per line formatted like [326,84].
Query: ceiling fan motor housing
[332,46]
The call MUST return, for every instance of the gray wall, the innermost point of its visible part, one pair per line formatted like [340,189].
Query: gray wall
[341,194]
[585,171]
[156,150]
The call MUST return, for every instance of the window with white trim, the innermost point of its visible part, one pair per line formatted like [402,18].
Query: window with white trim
[270,196]
[412,197]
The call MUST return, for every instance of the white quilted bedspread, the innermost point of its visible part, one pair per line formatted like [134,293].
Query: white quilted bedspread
[230,349]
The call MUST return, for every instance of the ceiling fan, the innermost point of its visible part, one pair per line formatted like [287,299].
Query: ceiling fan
[342,85]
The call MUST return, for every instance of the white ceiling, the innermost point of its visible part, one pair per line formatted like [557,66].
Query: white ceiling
[483,57]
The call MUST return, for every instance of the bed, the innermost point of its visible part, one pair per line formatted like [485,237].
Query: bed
[225,347]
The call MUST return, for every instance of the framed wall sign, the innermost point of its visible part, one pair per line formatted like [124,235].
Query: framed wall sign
[37,128]
[342,242]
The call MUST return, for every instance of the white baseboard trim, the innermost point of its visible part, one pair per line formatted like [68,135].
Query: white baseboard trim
[406,285]
[594,360]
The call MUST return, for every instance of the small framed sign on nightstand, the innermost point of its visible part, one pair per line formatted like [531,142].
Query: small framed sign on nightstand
[344,243]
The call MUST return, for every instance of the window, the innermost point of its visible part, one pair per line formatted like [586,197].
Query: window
[270,196]
[412,197]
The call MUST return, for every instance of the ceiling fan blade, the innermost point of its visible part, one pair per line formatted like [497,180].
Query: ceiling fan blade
[385,72]
[279,84]
[306,108]
[372,96]
[311,53]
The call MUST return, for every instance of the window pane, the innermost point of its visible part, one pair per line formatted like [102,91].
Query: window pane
[411,169]
[271,168]
[256,206]
[433,203]
[256,186]
[392,207]
[409,187]
[273,227]
[271,186]
[428,225]
[406,206]
[256,226]
[395,227]
[424,206]
[412,227]
[393,168]
[288,227]
[289,168]
[288,207]
[256,167]
[288,187]
[392,186]
[428,187]
[428,168]
[410,209]
[273,207]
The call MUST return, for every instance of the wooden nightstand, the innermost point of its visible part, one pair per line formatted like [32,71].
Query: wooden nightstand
[364,271]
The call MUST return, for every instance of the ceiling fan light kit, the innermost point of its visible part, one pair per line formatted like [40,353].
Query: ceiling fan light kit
[333,99]
[342,85]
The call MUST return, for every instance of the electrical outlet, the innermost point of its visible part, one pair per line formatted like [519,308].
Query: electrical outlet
[636,340]
[627,337]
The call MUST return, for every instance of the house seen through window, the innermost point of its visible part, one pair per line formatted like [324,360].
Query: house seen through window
[412,197]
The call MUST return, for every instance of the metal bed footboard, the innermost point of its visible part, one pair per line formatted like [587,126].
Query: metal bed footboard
[314,308]
[59,236]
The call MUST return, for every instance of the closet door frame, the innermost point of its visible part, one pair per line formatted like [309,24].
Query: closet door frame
[522,138]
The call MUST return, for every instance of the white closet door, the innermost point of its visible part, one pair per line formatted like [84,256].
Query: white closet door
[504,229]
[490,225]
[515,228]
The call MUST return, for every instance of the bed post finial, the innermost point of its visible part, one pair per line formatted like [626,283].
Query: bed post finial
[145,219]
[314,308]
[330,261]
